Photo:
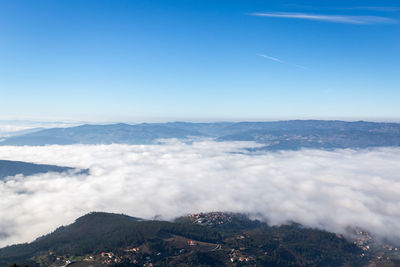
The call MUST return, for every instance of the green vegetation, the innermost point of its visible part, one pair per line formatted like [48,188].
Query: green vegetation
[214,239]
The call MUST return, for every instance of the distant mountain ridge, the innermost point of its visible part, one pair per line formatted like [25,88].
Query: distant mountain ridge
[12,168]
[276,135]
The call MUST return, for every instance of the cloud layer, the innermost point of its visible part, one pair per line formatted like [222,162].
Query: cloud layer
[329,18]
[326,189]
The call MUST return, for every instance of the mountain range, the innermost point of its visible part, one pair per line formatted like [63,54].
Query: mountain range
[276,135]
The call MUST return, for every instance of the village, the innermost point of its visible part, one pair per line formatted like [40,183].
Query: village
[129,255]
[211,218]
[380,249]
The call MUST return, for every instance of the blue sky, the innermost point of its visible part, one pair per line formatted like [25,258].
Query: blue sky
[120,60]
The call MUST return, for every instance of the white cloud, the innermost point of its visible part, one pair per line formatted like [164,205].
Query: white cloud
[325,189]
[271,58]
[328,18]
[280,61]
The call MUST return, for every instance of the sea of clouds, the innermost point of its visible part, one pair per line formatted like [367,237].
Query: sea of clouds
[326,189]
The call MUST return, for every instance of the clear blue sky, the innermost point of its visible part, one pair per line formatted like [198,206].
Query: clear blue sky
[200,60]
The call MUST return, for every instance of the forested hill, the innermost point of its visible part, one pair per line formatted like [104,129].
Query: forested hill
[12,168]
[206,239]
[276,135]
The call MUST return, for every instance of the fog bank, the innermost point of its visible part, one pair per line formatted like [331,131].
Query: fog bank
[326,189]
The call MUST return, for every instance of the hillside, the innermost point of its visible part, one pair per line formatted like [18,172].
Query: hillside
[277,135]
[207,239]
[12,168]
